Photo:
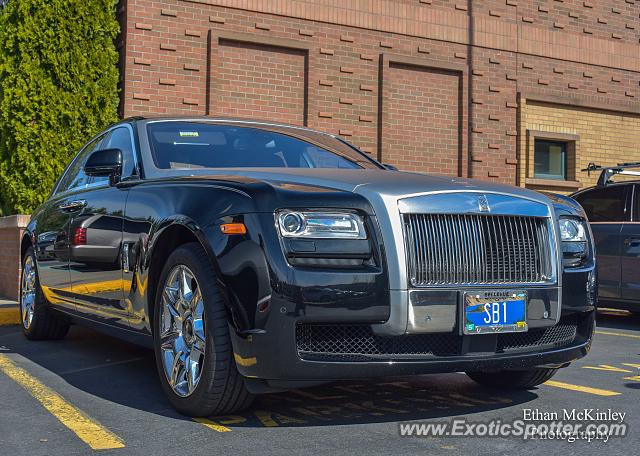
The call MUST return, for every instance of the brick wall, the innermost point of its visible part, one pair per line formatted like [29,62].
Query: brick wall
[256,80]
[429,85]
[11,229]
[598,136]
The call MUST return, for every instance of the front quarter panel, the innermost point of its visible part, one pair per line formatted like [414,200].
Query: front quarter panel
[252,268]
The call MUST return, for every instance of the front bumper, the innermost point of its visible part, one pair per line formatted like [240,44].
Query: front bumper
[297,347]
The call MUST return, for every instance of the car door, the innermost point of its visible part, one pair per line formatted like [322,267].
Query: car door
[52,246]
[95,259]
[608,208]
[630,258]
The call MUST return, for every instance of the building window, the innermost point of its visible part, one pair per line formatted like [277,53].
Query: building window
[550,159]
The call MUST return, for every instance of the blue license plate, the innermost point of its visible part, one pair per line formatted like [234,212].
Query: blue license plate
[495,311]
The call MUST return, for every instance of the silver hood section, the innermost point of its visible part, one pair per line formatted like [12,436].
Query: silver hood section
[366,181]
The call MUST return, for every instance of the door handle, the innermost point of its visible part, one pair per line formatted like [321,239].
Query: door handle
[70,206]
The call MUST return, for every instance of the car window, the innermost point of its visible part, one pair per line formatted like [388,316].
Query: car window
[186,145]
[606,204]
[120,138]
[74,177]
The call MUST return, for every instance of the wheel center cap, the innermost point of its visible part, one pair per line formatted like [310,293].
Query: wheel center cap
[187,330]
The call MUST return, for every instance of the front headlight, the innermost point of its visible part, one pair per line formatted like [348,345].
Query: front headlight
[328,224]
[573,233]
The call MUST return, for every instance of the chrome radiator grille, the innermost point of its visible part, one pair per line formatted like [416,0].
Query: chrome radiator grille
[472,248]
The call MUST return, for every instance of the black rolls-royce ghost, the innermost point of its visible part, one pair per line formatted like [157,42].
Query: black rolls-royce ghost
[256,257]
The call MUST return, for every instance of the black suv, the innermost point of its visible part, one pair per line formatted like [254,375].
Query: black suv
[613,209]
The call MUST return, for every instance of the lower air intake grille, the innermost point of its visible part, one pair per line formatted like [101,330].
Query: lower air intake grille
[556,336]
[322,342]
[358,342]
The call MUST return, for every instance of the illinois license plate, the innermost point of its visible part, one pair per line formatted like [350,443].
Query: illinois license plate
[495,311]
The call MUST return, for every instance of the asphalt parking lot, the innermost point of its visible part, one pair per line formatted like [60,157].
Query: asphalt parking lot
[92,393]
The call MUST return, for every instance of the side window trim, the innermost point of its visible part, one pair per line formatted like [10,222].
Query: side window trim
[134,152]
[101,135]
[634,203]
[628,208]
[97,137]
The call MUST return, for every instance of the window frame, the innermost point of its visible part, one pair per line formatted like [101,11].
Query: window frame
[101,136]
[565,159]
[135,171]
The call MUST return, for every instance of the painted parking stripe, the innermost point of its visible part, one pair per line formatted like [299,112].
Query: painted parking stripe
[606,367]
[582,389]
[9,315]
[86,428]
[611,333]
[212,425]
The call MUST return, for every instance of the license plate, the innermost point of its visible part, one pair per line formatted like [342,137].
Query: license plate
[490,312]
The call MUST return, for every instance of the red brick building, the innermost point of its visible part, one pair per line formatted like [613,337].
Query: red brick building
[524,92]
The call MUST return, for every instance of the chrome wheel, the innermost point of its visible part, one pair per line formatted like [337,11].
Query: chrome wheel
[182,331]
[28,291]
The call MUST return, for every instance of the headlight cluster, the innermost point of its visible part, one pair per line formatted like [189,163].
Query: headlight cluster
[575,249]
[321,224]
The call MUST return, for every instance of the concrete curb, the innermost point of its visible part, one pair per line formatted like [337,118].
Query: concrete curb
[9,313]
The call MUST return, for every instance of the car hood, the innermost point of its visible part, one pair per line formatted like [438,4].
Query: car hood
[392,184]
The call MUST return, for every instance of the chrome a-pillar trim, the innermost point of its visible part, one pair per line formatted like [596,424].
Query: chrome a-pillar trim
[405,317]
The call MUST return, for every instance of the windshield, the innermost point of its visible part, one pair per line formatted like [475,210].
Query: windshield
[191,145]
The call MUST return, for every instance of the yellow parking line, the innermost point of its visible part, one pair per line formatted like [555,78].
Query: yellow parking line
[611,333]
[606,367]
[582,389]
[212,425]
[9,315]
[87,429]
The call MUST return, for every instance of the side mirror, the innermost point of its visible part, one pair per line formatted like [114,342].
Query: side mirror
[105,162]
[390,167]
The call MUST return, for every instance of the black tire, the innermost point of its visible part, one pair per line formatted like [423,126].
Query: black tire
[221,389]
[513,379]
[46,324]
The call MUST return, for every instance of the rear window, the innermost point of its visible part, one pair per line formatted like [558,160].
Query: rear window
[192,145]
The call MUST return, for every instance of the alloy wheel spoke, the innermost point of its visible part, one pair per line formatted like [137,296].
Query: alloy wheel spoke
[26,308]
[168,340]
[177,369]
[195,304]
[31,279]
[199,333]
[170,296]
[173,311]
[185,285]
[192,374]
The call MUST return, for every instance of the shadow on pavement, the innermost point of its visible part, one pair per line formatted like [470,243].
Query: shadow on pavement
[125,374]
[617,319]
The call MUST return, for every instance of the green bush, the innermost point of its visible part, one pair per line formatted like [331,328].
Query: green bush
[58,87]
